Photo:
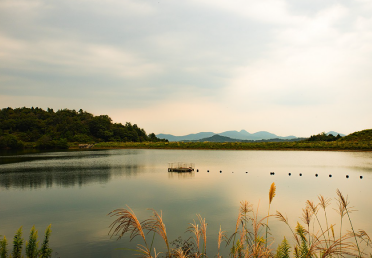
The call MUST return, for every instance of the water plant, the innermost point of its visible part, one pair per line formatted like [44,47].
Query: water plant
[250,237]
[31,245]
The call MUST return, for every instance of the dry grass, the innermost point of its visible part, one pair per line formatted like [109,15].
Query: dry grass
[126,222]
[194,229]
[248,238]
[272,192]
[155,224]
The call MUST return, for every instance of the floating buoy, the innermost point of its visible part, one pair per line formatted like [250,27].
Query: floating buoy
[208,171]
[289,174]
[300,174]
[347,176]
[330,175]
[316,175]
[197,170]
[220,171]
[272,173]
[232,172]
[361,177]
[246,172]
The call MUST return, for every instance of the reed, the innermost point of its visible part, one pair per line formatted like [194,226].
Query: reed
[345,204]
[203,230]
[155,224]
[221,236]
[324,203]
[271,197]
[194,228]
[127,222]
[249,238]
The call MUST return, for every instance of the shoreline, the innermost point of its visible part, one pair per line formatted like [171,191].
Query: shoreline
[227,149]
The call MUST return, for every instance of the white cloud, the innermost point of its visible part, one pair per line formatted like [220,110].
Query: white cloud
[222,65]
[272,11]
[74,57]
[114,7]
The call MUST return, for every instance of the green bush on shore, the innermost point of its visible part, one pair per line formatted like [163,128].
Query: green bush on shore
[335,145]
[32,250]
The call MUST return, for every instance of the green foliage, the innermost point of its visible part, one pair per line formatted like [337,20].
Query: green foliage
[361,136]
[323,137]
[302,249]
[45,251]
[49,129]
[283,249]
[3,248]
[17,244]
[32,244]
[321,145]
[10,141]
[237,249]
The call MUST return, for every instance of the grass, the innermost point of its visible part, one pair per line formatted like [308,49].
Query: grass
[249,238]
[335,145]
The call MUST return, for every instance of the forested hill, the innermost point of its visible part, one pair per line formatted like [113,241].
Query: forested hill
[361,136]
[49,129]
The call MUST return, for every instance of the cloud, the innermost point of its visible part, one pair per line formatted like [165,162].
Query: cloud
[270,11]
[226,65]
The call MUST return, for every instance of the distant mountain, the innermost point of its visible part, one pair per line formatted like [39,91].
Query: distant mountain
[219,138]
[235,135]
[189,137]
[335,133]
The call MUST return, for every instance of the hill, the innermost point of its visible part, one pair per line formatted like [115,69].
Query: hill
[189,137]
[360,136]
[335,133]
[49,129]
[219,138]
[237,135]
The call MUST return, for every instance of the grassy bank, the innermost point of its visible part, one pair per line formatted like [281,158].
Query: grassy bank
[336,145]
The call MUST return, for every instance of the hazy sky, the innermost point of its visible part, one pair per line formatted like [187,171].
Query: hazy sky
[291,67]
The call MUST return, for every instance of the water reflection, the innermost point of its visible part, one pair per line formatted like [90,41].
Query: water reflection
[181,175]
[34,178]
[81,187]
[64,169]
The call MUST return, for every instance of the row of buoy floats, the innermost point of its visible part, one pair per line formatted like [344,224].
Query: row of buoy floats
[289,174]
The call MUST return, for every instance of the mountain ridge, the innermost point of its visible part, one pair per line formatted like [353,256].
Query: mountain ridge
[233,134]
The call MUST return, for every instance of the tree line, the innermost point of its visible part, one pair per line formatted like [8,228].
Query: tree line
[324,137]
[50,129]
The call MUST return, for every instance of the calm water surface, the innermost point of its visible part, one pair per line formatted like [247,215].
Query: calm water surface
[75,190]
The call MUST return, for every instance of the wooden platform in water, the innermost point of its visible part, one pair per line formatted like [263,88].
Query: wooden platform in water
[180,169]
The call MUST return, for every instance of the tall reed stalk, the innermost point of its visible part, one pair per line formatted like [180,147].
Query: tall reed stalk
[345,204]
[271,197]
[324,202]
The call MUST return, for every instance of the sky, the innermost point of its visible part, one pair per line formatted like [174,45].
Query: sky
[290,67]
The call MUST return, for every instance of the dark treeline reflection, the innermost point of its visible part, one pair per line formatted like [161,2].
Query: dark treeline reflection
[10,157]
[33,178]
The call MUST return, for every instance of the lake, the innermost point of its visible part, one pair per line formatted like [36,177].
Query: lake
[75,190]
